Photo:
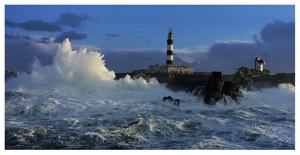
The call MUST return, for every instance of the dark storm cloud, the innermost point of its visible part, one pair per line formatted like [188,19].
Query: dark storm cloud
[34,25]
[277,47]
[20,51]
[227,57]
[278,33]
[112,35]
[72,35]
[65,19]
[72,20]
[279,41]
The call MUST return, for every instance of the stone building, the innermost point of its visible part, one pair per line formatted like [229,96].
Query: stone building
[172,69]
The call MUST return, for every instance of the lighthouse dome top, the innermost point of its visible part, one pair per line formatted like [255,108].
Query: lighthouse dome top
[170,32]
[170,35]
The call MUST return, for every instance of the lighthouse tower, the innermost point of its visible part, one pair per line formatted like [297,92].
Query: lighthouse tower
[170,48]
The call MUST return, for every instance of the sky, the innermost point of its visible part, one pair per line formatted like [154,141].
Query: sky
[203,33]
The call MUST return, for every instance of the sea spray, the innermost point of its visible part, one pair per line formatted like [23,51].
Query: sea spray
[83,69]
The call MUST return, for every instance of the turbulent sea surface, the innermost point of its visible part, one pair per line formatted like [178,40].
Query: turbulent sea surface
[76,104]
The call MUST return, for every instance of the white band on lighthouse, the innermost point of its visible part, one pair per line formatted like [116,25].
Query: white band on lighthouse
[170,57]
[170,47]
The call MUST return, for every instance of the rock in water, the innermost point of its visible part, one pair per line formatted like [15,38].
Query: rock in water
[213,89]
[216,89]
[232,90]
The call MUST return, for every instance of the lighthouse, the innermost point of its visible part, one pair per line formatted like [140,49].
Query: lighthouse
[169,68]
[170,48]
[259,64]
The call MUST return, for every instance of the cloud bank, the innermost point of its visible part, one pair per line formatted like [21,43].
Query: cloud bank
[72,20]
[34,25]
[72,35]
[275,43]
[21,50]
[65,19]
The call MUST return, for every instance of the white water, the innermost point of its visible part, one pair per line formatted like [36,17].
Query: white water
[76,103]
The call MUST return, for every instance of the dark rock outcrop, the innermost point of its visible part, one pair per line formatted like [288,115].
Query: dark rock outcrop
[213,89]
[169,98]
[217,89]
[231,90]
[243,80]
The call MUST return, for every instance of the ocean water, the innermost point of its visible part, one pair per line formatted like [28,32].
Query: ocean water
[76,104]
